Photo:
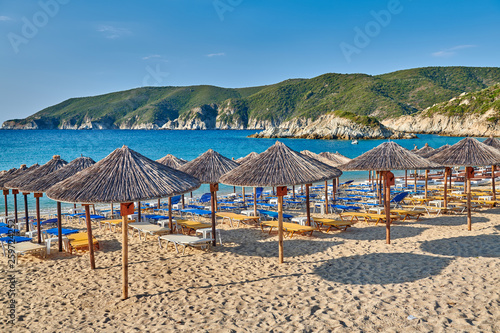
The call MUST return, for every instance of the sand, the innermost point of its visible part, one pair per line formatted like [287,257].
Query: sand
[435,271]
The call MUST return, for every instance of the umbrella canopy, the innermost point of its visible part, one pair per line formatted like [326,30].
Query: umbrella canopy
[492,142]
[26,178]
[280,166]
[389,156]
[172,161]
[209,167]
[247,158]
[424,150]
[320,158]
[123,176]
[44,183]
[435,151]
[335,157]
[13,173]
[467,152]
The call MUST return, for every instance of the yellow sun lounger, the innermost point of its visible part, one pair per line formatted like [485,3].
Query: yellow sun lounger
[291,228]
[191,225]
[236,217]
[408,213]
[79,241]
[368,217]
[331,223]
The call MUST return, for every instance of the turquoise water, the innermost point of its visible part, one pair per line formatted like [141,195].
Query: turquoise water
[29,147]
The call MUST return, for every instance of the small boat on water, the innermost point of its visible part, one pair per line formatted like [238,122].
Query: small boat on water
[354,142]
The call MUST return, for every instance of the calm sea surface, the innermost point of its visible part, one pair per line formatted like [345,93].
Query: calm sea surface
[29,147]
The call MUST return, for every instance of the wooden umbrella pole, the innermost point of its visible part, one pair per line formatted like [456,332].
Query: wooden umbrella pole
[16,219]
[369,176]
[387,204]
[38,222]
[449,176]
[159,204]
[234,189]
[89,236]
[415,181]
[426,179]
[445,187]
[406,178]
[493,182]
[124,251]
[243,194]
[138,211]
[380,187]
[293,189]
[334,190]
[170,223]
[280,227]
[468,172]
[213,189]
[26,212]
[5,192]
[254,201]
[59,226]
[183,201]
[308,205]
[326,197]
[112,211]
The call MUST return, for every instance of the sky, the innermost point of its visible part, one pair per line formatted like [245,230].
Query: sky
[53,50]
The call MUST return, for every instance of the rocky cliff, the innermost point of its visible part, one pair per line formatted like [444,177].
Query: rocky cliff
[470,114]
[330,127]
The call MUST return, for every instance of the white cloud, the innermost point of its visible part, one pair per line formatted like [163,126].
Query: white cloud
[112,32]
[446,53]
[6,18]
[216,55]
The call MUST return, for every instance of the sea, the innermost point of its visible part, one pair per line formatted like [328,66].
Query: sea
[38,146]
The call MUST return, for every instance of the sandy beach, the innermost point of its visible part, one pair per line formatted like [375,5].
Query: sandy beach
[435,271]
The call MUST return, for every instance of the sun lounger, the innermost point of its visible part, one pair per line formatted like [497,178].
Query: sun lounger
[273,215]
[236,217]
[148,228]
[408,213]
[191,225]
[79,241]
[24,248]
[331,223]
[289,227]
[368,217]
[185,241]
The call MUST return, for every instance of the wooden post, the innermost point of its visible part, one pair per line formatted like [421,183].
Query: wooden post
[254,201]
[426,179]
[125,210]
[406,178]
[415,181]
[139,211]
[170,222]
[369,176]
[449,176]
[15,192]
[446,170]
[308,205]
[213,189]
[59,226]
[334,190]
[183,201]
[159,203]
[469,173]
[243,194]
[5,193]
[26,212]
[89,236]
[293,189]
[326,197]
[380,187]
[280,228]
[112,211]
[387,204]
[493,182]
[234,189]
[38,222]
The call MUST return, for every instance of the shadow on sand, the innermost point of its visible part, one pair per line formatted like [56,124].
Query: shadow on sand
[453,220]
[381,268]
[378,232]
[467,246]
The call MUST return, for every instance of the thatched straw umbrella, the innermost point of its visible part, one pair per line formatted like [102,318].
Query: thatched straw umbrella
[44,183]
[338,159]
[208,168]
[468,153]
[280,166]
[5,177]
[21,182]
[243,160]
[123,176]
[249,157]
[385,157]
[175,163]
[495,143]
[9,176]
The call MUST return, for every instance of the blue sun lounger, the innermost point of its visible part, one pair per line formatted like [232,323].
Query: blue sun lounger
[273,215]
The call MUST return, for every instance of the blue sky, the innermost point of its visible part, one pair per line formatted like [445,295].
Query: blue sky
[52,50]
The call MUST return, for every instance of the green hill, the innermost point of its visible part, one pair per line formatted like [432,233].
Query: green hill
[381,96]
